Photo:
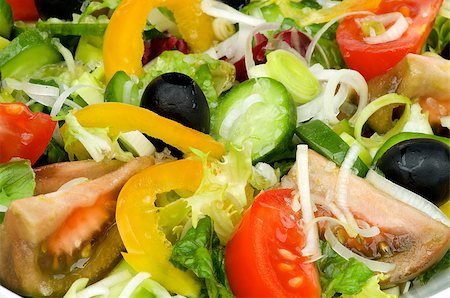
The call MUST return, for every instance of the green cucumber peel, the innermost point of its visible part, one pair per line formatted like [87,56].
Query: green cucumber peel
[322,139]
[260,112]
[377,140]
[88,26]
[26,53]
[6,19]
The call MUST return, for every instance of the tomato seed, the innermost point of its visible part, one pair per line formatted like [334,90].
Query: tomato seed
[287,254]
[285,267]
[296,282]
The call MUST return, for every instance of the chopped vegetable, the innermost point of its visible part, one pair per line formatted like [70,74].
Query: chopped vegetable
[16,182]
[259,112]
[376,59]
[263,257]
[148,250]
[23,134]
[115,117]
[213,76]
[292,72]
[200,251]
[339,275]
[119,39]
[324,140]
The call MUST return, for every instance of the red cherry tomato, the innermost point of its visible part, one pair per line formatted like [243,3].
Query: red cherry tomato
[24,10]
[23,133]
[263,258]
[374,60]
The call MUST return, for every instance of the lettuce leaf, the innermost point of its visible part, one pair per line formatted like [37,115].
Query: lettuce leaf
[443,264]
[222,194]
[200,251]
[213,76]
[16,182]
[84,143]
[372,289]
[337,275]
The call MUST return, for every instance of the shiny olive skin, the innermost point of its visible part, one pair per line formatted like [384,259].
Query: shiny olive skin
[61,9]
[178,97]
[420,165]
[237,4]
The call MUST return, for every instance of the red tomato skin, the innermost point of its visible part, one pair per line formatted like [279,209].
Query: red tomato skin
[374,60]
[23,133]
[24,10]
[252,260]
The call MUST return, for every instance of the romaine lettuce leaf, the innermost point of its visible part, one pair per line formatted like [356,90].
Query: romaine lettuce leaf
[200,251]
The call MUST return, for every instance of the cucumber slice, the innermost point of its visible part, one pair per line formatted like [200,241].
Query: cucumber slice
[136,143]
[260,112]
[26,53]
[3,43]
[122,89]
[91,27]
[326,142]
[89,50]
[6,19]
[91,95]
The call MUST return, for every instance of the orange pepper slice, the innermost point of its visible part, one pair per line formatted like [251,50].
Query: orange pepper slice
[123,47]
[148,250]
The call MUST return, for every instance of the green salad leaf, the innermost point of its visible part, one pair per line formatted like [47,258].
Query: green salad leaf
[439,36]
[16,182]
[200,251]
[213,76]
[371,289]
[443,264]
[338,275]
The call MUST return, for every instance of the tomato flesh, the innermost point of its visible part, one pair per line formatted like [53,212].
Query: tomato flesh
[375,59]
[23,133]
[24,10]
[263,258]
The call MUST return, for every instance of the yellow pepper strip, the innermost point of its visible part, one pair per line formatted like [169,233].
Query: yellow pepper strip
[326,14]
[120,117]
[148,250]
[123,46]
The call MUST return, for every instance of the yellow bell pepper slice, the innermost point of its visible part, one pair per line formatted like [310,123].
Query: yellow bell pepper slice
[120,117]
[123,46]
[148,250]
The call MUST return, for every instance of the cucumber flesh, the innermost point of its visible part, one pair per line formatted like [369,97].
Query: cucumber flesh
[26,53]
[122,89]
[136,143]
[326,142]
[3,43]
[260,112]
[6,19]
[89,50]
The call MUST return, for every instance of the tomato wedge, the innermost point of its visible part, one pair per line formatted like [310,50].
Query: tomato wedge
[263,258]
[24,10]
[376,59]
[23,133]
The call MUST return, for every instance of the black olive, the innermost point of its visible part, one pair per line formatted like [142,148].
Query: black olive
[178,97]
[61,9]
[420,165]
[237,4]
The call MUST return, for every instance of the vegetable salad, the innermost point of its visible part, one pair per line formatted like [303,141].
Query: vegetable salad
[203,148]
